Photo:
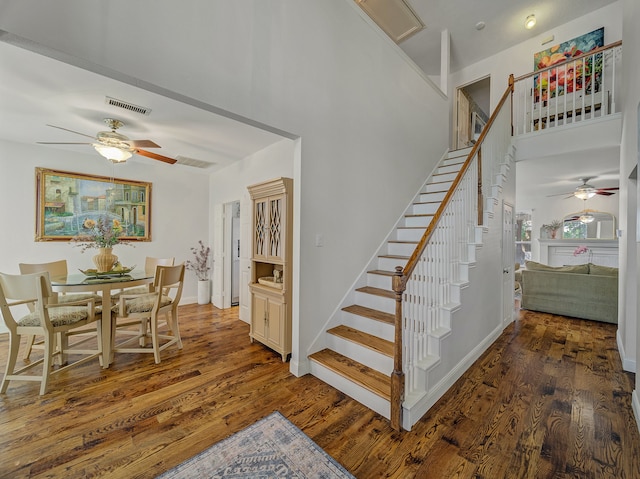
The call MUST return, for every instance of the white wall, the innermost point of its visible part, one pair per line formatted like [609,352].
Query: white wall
[371,125]
[629,335]
[178,199]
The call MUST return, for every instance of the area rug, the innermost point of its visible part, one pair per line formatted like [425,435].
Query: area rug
[270,448]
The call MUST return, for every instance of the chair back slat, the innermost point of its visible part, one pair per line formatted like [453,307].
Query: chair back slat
[55,268]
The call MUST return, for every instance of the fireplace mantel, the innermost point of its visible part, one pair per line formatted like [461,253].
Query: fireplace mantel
[559,252]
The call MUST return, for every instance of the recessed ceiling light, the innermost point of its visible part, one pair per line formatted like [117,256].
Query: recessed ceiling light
[530,22]
[480,25]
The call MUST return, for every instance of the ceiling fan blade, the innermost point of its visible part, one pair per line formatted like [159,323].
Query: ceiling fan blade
[604,193]
[59,143]
[142,144]
[155,156]
[76,132]
[609,189]
[561,194]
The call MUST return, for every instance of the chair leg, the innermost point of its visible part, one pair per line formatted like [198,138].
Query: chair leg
[154,338]
[46,365]
[14,346]
[175,328]
[30,340]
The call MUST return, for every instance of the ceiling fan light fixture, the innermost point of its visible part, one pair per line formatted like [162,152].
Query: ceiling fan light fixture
[586,218]
[530,22]
[585,192]
[113,154]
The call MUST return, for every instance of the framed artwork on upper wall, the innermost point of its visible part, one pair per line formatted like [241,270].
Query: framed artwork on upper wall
[64,200]
[569,76]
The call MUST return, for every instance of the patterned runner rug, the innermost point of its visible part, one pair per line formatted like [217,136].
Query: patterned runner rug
[271,448]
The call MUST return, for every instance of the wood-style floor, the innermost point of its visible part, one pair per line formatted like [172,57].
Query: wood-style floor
[548,400]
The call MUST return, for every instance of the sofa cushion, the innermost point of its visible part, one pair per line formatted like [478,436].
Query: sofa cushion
[576,269]
[602,270]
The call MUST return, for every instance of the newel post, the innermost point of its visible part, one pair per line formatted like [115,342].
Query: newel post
[399,282]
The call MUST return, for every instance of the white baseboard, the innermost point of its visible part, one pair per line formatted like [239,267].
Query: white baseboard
[635,405]
[628,364]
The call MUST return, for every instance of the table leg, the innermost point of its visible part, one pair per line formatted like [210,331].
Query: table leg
[106,326]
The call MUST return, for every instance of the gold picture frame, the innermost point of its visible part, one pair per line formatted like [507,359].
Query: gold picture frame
[65,199]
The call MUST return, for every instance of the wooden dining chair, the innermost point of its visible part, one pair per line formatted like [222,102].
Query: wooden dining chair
[47,319]
[150,264]
[54,268]
[150,313]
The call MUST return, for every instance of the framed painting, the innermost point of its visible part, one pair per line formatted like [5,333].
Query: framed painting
[64,200]
[567,77]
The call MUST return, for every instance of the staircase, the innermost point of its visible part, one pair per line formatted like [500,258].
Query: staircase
[357,357]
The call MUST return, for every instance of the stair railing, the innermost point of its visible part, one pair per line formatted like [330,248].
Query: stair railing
[423,286]
[580,89]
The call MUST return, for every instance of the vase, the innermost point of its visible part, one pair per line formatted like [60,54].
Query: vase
[105,260]
[204,291]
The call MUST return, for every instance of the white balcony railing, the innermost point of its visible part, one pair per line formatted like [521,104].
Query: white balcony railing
[581,89]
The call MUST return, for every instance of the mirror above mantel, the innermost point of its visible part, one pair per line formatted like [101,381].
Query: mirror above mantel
[589,224]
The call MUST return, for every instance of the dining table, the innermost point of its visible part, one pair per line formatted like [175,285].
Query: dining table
[104,285]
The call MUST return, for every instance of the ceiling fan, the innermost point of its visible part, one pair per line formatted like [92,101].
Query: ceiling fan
[586,191]
[114,146]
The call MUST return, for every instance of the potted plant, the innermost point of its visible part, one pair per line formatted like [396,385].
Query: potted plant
[201,265]
[553,227]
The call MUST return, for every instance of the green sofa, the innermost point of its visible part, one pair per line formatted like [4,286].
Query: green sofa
[585,291]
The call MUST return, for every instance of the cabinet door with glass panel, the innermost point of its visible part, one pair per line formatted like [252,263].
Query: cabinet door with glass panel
[270,223]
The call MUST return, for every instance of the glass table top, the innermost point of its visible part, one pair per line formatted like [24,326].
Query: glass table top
[80,279]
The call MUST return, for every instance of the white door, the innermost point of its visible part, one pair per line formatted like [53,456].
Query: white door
[463,120]
[218,256]
[508,262]
[246,220]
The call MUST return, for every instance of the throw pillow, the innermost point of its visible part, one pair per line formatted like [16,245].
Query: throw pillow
[602,270]
[576,269]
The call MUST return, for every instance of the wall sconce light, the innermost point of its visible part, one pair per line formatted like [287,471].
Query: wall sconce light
[530,22]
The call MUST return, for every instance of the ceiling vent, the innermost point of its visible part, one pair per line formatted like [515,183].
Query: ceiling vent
[183,160]
[127,106]
[395,17]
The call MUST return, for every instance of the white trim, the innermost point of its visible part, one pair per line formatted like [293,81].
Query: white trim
[628,364]
[635,405]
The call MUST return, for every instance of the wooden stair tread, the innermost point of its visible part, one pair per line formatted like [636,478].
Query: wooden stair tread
[368,378]
[366,340]
[370,313]
[386,293]
[382,272]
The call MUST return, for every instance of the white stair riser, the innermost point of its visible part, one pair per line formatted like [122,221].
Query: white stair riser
[421,221]
[427,197]
[449,169]
[360,394]
[437,187]
[425,208]
[446,175]
[373,301]
[367,325]
[409,234]
[400,249]
[362,354]
[389,264]
[379,281]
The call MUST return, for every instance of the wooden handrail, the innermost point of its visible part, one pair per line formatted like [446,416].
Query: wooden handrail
[401,275]
[413,260]
[570,60]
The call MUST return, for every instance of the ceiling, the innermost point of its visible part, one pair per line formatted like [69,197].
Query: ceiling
[504,27]
[36,89]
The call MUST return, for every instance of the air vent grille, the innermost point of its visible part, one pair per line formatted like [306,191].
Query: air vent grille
[127,106]
[183,160]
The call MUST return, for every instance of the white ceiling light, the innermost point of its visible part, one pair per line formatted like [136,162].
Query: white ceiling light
[584,192]
[113,154]
[530,22]
[586,217]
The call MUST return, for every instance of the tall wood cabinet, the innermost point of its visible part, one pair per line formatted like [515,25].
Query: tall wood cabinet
[271,270]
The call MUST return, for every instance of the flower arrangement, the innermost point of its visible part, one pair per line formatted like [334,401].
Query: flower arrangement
[582,250]
[200,264]
[99,234]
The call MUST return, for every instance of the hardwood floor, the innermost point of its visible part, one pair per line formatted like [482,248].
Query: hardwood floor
[548,400]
